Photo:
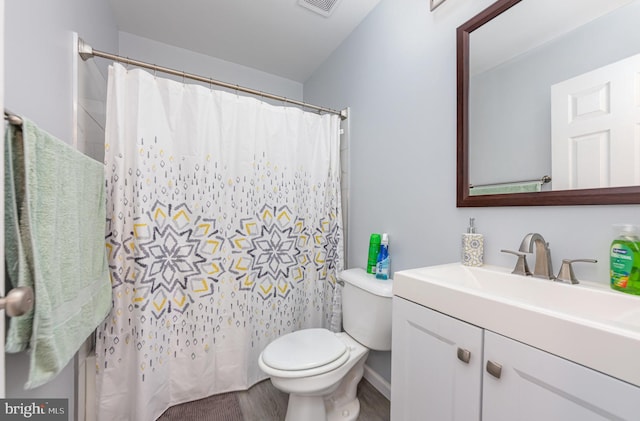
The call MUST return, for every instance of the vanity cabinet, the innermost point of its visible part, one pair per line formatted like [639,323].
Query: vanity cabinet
[431,382]
[535,385]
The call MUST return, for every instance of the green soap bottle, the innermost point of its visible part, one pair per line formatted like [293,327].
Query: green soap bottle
[625,260]
[374,248]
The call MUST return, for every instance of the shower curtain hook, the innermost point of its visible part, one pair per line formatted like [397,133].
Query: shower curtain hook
[237,88]
[183,77]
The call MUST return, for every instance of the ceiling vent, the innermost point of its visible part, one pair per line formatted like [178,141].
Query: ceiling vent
[321,7]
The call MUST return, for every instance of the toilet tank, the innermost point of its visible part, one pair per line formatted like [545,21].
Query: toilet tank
[366,308]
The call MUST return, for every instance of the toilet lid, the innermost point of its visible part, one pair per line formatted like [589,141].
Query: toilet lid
[303,350]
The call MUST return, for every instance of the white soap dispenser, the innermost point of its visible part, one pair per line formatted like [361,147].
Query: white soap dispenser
[472,246]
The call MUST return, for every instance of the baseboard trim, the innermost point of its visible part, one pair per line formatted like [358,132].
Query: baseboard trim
[377,381]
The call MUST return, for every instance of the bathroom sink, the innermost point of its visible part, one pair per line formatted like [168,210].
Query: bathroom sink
[594,302]
[587,323]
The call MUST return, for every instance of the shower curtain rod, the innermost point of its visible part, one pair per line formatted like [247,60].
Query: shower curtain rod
[87,52]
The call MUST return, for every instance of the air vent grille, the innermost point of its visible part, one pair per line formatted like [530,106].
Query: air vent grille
[322,7]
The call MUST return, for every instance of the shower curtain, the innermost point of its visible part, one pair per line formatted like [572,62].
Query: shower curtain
[224,231]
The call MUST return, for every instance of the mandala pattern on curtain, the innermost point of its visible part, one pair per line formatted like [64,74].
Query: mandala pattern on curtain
[224,232]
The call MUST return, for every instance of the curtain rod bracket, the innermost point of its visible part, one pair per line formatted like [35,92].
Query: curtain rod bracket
[84,49]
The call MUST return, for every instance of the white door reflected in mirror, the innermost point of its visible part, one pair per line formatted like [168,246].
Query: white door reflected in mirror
[595,128]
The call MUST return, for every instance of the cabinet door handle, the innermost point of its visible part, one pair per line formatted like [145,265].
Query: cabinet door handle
[464,355]
[494,369]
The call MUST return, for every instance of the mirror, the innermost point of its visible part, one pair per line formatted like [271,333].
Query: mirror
[509,86]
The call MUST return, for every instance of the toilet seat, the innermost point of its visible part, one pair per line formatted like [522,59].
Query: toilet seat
[306,352]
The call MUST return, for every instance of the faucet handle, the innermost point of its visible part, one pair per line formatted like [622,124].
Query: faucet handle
[522,268]
[566,274]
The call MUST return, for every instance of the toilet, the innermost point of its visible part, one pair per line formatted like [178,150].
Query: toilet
[320,369]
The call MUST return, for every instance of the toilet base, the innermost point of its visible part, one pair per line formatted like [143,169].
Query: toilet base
[342,404]
[347,412]
[307,408]
[313,408]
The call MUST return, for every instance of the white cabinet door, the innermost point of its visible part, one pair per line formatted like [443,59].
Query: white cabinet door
[429,381]
[595,128]
[535,385]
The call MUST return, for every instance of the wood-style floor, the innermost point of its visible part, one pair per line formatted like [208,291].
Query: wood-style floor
[263,402]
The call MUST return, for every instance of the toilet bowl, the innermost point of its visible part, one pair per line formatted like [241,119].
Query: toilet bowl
[312,391]
[321,369]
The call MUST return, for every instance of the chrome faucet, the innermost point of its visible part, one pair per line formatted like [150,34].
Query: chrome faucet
[542,268]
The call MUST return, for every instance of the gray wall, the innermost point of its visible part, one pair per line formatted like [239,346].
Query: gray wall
[511,118]
[397,72]
[178,58]
[38,85]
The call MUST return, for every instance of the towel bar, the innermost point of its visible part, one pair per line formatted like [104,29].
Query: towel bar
[17,302]
[544,180]
[12,118]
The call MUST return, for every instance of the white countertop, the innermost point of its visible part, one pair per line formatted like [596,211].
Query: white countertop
[586,323]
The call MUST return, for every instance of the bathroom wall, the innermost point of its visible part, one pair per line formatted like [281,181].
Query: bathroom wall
[165,55]
[397,72]
[39,86]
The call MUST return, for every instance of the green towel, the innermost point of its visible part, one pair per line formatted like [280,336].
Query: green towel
[54,243]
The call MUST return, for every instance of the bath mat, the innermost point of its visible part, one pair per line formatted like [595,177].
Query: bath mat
[223,407]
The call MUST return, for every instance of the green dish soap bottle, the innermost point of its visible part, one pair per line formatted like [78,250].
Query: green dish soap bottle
[625,260]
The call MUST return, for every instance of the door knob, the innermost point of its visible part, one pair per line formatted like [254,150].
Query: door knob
[17,302]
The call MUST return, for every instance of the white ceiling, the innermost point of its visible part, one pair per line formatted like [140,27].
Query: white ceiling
[276,36]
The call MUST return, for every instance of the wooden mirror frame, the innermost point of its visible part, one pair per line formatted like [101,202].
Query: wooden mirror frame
[599,196]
